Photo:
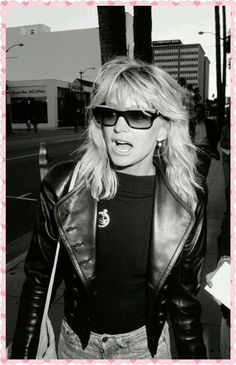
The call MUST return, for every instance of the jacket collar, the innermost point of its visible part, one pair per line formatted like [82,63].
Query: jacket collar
[76,217]
[172,222]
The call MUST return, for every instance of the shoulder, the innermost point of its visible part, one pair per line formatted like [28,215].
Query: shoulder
[57,180]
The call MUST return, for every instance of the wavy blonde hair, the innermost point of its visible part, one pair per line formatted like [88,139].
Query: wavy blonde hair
[150,87]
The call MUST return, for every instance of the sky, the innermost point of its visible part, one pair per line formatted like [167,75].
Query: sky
[168,22]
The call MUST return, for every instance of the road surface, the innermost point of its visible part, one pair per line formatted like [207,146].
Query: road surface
[23,181]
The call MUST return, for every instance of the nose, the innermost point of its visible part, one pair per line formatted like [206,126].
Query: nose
[121,125]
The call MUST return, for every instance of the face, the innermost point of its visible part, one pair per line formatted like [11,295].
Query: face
[131,150]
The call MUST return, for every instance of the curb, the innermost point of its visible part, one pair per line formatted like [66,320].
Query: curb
[10,265]
[17,246]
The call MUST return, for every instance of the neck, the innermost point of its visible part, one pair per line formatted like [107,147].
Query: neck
[148,172]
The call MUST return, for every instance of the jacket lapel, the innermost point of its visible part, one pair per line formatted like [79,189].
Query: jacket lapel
[172,222]
[76,217]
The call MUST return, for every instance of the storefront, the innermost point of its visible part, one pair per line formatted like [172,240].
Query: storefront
[47,103]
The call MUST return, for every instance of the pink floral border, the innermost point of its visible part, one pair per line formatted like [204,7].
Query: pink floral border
[4,5]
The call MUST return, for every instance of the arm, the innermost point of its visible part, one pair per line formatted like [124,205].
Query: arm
[223,249]
[38,266]
[184,283]
[225,137]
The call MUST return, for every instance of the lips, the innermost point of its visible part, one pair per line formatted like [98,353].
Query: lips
[119,142]
[121,146]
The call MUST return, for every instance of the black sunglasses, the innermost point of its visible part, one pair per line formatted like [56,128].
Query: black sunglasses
[136,119]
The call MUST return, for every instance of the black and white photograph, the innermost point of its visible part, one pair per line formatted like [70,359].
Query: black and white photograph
[118,191]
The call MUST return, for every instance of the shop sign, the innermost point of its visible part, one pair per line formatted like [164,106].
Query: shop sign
[27,92]
[76,85]
[172,41]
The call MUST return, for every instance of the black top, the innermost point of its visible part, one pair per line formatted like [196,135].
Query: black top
[123,236]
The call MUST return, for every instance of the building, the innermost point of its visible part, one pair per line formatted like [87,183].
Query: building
[46,72]
[42,101]
[43,76]
[184,61]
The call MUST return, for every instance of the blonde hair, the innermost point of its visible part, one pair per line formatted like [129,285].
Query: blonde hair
[150,87]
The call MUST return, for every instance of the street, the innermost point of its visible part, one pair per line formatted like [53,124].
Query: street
[23,179]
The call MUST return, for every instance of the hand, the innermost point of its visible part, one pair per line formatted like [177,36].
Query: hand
[209,277]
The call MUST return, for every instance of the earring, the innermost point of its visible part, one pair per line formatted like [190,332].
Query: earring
[158,149]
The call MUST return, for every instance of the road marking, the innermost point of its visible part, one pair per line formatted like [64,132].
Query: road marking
[24,195]
[21,198]
[19,157]
[49,143]
[17,260]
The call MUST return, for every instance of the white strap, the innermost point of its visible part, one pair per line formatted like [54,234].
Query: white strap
[74,176]
[50,286]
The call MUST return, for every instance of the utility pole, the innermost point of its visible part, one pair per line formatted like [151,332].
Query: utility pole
[224,60]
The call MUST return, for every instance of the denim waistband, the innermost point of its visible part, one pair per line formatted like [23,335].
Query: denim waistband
[131,334]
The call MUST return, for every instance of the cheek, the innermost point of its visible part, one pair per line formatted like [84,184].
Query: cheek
[151,138]
[106,135]
[147,142]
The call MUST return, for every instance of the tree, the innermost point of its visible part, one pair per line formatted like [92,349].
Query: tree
[142,33]
[112,31]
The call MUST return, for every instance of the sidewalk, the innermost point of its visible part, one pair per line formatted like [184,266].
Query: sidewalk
[210,310]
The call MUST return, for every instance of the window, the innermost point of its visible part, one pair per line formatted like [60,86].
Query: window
[29,108]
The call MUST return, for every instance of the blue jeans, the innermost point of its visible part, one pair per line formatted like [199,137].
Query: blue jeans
[131,345]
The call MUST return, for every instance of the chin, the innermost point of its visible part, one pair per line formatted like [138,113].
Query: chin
[121,162]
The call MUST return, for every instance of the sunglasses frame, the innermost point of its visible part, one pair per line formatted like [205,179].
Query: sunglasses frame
[119,112]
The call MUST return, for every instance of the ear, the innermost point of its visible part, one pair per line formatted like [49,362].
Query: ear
[162,133]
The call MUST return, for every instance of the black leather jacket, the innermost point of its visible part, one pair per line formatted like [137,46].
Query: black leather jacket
[175,262]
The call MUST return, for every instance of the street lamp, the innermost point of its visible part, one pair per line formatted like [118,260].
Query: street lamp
[9,114]
[15,45]
[81,85]
[81,79]
[201,33]
[226,39]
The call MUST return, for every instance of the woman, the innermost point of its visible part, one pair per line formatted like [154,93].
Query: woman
[132,230]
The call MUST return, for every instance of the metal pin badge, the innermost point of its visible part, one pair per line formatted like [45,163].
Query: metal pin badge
[103,218]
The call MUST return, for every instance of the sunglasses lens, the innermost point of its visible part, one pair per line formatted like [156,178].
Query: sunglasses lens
[138,119]
[98,115]
[105,116]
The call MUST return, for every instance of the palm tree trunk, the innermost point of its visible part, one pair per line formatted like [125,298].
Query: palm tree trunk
[112,31]
[143,33]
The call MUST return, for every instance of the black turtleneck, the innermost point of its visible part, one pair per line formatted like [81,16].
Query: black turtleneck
[123,236]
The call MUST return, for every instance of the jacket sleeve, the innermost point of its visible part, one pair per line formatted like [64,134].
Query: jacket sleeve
[38,267]
[184,283]
[225,137]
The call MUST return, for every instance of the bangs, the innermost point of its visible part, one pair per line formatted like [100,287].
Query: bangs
[125,87]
